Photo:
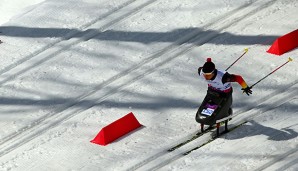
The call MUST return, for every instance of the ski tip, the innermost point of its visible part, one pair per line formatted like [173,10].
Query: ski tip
[246,49]
[290,59]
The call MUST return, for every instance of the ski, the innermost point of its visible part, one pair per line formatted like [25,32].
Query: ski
[197,135]
[1,41]
[214,137]
[202,132]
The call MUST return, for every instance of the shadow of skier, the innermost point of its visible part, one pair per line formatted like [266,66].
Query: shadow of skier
[273,134]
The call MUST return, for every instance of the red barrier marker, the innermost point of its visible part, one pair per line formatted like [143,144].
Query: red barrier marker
[284,43]
[116,129]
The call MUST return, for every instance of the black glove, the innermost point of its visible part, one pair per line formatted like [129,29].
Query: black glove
[247,90]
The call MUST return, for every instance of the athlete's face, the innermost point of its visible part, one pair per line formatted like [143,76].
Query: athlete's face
[208,76]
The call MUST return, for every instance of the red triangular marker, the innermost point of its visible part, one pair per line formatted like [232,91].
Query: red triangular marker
[284,43]
[116,129]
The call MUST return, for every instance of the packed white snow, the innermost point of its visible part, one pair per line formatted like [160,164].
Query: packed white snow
[70,68]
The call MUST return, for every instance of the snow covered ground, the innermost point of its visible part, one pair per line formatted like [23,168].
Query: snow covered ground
[69,68]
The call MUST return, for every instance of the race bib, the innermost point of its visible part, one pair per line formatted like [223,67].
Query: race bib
[207,111]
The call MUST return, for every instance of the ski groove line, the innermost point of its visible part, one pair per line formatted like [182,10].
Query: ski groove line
[251,146]
[192,138]
[214,138]
[250,108]
[257,132]
[173,156]
[84,36]
[279,123]
[279,102]
[206,142]
[81,97]
[199,134]
[280,158]
[27,138]
[170,157]
[88,95]
[68,36]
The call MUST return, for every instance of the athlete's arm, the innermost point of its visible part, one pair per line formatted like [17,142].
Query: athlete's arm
[234,78]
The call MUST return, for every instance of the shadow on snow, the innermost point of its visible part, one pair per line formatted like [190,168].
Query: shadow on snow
[133,36]
[255,128]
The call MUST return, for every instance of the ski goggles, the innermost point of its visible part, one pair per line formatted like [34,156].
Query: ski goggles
[209,73]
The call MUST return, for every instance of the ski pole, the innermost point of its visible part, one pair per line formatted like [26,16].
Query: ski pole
[245,51]
[289,60]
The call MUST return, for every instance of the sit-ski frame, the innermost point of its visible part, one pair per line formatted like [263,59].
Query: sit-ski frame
[218,122]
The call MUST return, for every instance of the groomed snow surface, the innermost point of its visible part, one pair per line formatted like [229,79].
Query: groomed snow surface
[69,68]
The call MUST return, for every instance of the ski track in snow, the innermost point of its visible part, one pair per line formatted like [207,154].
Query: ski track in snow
[145,67]
[69,110]
[42,55]
[164,158]
[87,35]
[245,153]
[21,67]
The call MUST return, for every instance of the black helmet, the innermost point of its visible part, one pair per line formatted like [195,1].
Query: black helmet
[209,66]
